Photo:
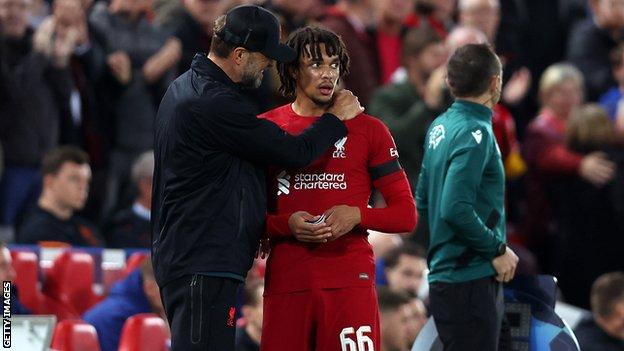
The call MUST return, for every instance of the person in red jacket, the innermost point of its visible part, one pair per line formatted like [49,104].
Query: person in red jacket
[319,284]
[548,158]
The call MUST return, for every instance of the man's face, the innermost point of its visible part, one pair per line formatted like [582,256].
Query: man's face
[7,273]
[317,78]
[564,97]
[483,15]
[416,319]
[13,18]
[204,11]
[431,57]
[253,70]
[70,186]
[615,322]
[68,14]
[131,8]
[407,276]
[394,329]
[610,13]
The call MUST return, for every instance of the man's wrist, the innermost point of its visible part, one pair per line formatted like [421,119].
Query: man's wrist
[501,249]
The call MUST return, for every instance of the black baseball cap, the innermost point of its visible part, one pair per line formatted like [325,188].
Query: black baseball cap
[255,29]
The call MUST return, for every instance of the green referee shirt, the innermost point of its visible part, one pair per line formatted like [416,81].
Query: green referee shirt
[461,192]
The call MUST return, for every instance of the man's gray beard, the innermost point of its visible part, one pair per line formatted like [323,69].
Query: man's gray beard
[251,81]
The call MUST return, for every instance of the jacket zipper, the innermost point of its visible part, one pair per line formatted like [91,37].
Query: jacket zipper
[241,218]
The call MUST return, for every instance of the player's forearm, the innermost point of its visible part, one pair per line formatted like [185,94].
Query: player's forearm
[277,226]
[399,216]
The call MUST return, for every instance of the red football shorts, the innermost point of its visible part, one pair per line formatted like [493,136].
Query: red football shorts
[345,319]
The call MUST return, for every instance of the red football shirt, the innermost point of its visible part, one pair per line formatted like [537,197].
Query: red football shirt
[345,175]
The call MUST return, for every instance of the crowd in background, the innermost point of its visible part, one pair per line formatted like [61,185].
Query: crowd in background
[81,81]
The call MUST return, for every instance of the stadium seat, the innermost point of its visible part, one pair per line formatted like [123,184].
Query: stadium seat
[134,261]
[70,280]
[144,332]
[26,265]
[75,335]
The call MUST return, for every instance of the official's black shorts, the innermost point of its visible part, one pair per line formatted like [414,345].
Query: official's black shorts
[468,315]
[201,312]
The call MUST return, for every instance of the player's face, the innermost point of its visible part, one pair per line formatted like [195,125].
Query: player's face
[317,77]
[70,186]
[407,276]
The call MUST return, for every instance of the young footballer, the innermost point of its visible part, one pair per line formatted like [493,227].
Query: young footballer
[319,288]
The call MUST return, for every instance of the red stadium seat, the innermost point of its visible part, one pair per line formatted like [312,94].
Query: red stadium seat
[70,280]
[75,335]
[144,332]
[26,265]
[134,261]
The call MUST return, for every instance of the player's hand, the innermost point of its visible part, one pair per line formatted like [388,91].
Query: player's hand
[308,232]
[342,219]
[505,266]
[346,106]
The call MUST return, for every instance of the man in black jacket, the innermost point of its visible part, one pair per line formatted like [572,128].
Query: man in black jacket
[209,198]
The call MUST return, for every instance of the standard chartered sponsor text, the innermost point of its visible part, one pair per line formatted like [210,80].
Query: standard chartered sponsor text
[323,181]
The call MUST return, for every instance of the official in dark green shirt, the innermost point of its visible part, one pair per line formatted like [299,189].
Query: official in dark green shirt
[461,194]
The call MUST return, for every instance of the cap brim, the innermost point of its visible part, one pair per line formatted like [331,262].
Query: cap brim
[280,53]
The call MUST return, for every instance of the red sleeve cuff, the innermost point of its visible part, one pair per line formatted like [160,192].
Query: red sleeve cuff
[277,225]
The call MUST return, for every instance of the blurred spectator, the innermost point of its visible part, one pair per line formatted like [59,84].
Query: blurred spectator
[416,320]
[436,14]
[351,20]
[131,227]
[548,158]
[405,269]
[402,106]
[248,336]
[137,293]
[393,313]
[66,178]
[605,330]
[485,15]
[194,28]
[610,100]
[592,40]
[141,61]
[294,15]
[590,219]
[7,273]
[164,12]
[38,10]
[391,27]
[34,89]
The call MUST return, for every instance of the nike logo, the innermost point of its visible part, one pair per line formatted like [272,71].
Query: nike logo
[478,136]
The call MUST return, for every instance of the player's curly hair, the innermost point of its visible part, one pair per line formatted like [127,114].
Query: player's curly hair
[306,41]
